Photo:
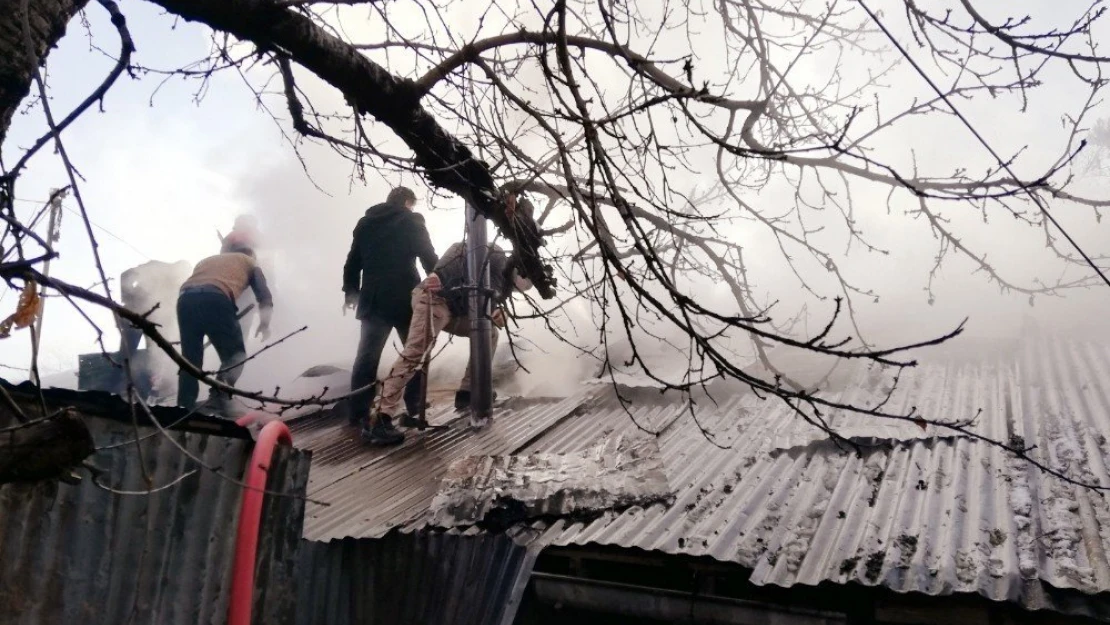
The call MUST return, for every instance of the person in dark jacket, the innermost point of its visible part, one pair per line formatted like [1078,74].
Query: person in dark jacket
[439,304]
[206,307]
[378,279]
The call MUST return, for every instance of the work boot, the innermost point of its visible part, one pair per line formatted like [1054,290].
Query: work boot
[223,405]
[382,432]
[413,408]
[462,399]
[413,422]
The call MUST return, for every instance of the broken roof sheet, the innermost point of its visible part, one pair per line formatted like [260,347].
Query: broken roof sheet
[920,513]
[373,490]
[500,491]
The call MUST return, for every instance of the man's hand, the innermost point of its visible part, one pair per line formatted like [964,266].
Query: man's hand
[263,332]
[432,283]
[498,317]
[350,302]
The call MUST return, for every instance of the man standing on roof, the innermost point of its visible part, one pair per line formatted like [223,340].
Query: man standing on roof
[145,289]
[378,279]
[206,307]
[440,303]
[148,289]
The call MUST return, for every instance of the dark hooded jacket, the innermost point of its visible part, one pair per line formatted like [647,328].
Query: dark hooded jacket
[380,266]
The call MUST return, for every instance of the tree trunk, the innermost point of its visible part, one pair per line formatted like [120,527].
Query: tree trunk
[44,24]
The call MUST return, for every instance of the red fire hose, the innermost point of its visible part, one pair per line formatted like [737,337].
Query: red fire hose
[273,434]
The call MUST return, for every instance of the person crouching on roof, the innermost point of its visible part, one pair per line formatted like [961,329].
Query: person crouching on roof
[440,303]
[206,307]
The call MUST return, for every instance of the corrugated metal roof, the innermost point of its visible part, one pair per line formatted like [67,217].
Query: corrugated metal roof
[372,490]
[279,539]
[80,554]
[414,579]
[919,513]
[112,407]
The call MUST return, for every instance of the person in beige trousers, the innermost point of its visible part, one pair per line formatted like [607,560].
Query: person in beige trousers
[439,305]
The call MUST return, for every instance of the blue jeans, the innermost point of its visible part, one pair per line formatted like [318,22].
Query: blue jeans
[207,311]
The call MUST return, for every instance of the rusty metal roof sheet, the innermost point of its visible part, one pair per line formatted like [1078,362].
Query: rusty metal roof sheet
[919,512]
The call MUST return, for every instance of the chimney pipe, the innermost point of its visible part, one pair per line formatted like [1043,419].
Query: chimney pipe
[481,355]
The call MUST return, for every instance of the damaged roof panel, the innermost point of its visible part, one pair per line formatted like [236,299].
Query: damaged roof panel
[755,486]
[372,490]
[500,491]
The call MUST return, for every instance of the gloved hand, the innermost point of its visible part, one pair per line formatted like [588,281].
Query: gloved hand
[350,302]
[263,332]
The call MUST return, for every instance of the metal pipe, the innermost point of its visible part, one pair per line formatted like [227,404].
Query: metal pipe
[481,328]
[53,233]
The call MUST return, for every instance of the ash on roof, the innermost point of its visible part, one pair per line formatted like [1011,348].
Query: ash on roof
[498,491]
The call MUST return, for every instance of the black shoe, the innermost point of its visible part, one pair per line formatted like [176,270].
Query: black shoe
[462,399]
[410,421]
[383,432]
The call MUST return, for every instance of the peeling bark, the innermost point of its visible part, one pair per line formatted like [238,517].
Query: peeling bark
[47,21]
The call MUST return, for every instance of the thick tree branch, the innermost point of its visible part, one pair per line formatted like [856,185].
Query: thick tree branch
[371,89]
[640,64]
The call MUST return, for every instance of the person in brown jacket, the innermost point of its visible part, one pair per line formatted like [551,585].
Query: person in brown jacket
[206,307]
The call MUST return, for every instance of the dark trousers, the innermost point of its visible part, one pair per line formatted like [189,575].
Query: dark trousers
[375,334]
[129,337]
[208,312]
